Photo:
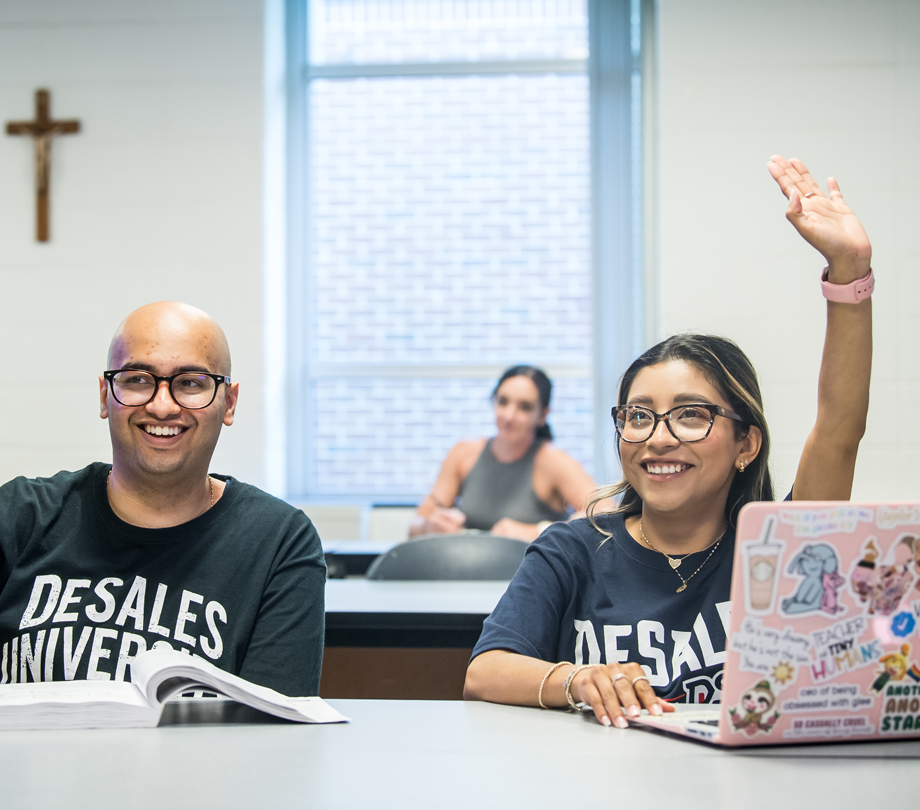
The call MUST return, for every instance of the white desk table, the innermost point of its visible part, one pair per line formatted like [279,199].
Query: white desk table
[437,756]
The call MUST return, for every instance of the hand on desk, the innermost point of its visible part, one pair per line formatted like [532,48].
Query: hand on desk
[612,690]
[516,530]
[445,520]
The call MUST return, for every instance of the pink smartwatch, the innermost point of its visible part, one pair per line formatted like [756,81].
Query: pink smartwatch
[851,293]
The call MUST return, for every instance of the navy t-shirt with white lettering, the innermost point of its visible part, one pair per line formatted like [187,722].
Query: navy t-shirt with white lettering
[577,599]
[82,592]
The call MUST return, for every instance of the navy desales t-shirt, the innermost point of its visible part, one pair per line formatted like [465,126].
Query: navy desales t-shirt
[577,599]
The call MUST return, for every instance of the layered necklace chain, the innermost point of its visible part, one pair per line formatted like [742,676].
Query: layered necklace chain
[676,561]
[210,487]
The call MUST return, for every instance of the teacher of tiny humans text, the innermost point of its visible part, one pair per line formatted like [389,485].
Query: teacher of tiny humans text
[514,484]
[627,610]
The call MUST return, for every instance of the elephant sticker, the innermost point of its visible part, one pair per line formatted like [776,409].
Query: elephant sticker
[817,564]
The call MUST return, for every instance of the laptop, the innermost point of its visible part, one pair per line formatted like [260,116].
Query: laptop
[824,639]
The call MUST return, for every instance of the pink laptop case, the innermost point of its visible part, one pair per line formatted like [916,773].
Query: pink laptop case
[824,642]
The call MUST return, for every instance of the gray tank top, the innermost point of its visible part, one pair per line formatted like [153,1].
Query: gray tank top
[494,490]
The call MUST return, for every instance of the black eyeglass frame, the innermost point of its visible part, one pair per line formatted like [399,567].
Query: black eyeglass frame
[714,411]
[218,379]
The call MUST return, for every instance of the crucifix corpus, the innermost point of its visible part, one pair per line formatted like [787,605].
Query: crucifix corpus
[42,130]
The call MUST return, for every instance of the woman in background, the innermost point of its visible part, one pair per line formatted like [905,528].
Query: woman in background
[514,484]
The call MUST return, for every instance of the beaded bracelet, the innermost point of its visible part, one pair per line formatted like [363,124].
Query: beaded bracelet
[549,672]
[568,683]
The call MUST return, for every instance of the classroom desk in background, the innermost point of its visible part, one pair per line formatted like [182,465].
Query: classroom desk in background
[402,640]
[431,754]
[352,558]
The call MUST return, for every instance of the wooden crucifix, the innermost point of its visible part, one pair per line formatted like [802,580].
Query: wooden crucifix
[42,130]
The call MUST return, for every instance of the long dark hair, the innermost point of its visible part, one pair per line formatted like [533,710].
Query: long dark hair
[544,390]
[733,375]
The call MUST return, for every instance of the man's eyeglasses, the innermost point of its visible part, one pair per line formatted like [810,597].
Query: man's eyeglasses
[193,390]
[687,423]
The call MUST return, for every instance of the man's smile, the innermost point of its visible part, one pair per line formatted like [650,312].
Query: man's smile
[164,430]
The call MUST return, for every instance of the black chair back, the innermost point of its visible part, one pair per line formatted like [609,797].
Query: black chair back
[466,556]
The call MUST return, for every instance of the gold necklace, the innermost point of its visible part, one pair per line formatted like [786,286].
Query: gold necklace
[210,487]
[675,561]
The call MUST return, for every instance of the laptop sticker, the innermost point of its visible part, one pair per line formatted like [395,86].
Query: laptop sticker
[840,648]
[756,711]
[817,566]
[880,585]
[763,561]
[895,667]
[770,652]
[899,682]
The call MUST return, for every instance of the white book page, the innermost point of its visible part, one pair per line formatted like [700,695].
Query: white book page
[160,674]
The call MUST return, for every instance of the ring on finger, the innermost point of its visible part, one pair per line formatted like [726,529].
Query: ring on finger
[810,194]
[640,678]
[619,675]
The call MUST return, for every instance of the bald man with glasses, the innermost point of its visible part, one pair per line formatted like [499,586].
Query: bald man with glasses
[152,551]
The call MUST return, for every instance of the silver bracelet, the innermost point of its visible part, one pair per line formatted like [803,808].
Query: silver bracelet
[568,683]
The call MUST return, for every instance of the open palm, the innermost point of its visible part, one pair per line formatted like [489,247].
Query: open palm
[825,222]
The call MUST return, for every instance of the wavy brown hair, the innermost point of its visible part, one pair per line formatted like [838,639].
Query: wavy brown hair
[730,371]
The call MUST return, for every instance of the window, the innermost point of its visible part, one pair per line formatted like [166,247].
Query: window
[442,208]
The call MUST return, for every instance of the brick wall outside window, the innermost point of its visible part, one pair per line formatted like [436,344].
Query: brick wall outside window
[449,226]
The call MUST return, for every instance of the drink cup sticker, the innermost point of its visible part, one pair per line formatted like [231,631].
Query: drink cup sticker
[763,558]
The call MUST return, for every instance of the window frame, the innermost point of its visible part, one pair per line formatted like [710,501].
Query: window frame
[619,57]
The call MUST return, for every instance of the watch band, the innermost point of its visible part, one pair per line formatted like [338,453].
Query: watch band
[851,293]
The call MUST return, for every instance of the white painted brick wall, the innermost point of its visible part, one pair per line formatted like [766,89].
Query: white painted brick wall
[835,83]
[158,197]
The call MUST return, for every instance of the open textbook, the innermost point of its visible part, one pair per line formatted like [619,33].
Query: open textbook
[156,676]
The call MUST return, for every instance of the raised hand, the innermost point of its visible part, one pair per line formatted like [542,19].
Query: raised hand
[828,461]
[825,222]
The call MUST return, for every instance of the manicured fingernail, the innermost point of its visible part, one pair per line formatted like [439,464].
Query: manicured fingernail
[605,721]
[656,710]
[620,722]
[634,711]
